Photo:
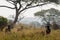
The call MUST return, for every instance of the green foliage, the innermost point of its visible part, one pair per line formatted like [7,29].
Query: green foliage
[51,11]
[40,13]
[34,1]
[55,1]
[3,21]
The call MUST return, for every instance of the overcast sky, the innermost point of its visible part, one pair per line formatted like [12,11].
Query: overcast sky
[28,13]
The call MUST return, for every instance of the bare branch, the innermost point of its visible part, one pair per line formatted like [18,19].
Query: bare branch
[11,3]
[20,6]
[7,7]
[36,5]
[30,3]
[32,7]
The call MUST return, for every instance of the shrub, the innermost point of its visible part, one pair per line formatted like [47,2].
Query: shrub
[3,22]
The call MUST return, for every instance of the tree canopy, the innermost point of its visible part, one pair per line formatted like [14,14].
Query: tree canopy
[55,1]
[51,11]
[52,15]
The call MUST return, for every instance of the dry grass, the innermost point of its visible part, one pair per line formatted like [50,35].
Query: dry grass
[30,34]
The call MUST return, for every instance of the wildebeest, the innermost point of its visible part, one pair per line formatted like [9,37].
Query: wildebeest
[48,30]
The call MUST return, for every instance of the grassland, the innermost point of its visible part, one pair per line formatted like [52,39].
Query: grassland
[30,34]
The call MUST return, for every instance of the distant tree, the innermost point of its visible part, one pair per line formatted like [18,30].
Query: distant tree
[3,22]
[48,30]
[21,5]
[51,16]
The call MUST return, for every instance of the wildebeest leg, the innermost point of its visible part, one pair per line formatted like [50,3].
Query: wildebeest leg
[48,31]
[9,27]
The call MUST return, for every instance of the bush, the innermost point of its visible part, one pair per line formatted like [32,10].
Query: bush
[3,22]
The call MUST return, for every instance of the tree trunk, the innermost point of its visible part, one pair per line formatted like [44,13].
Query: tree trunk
[12,25]
[15,20]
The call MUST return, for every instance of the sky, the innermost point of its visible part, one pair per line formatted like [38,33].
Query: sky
[6,12]
[27,13]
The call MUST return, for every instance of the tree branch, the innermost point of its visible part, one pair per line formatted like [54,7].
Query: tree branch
[31,7]
[7,7]
[36,5]
[30,3]
[20,6]
[11,3]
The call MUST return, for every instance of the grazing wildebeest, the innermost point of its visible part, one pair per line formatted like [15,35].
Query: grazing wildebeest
[8,28]
[48,30]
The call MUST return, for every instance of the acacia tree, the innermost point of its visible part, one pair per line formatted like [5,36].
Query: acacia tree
[53,14]
[21,5]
